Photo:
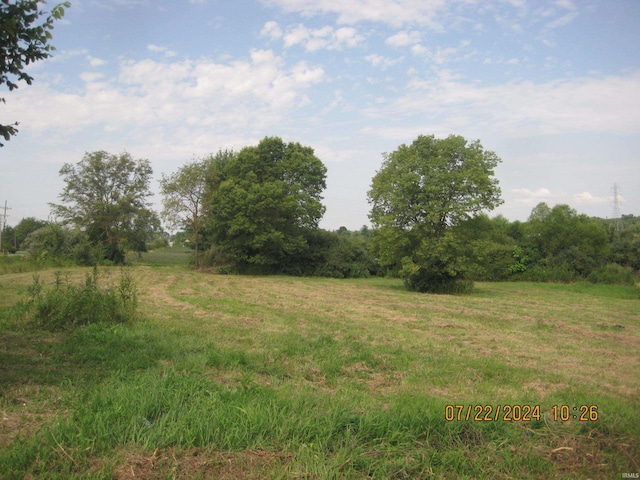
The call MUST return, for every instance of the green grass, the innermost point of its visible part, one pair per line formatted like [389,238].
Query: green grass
[281,377]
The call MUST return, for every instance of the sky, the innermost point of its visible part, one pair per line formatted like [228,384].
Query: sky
[551,86]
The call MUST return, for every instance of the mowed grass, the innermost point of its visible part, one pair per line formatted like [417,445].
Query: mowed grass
[282,377]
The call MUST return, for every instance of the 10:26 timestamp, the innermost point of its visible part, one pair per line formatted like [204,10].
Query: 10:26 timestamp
[583,413]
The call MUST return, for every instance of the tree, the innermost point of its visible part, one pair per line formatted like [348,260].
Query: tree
[421,192]
[561,237]
[267,200]
[25,227]
[22,41]
[183,196]
[625,242]
[487,244]
[55,241]
[106,196]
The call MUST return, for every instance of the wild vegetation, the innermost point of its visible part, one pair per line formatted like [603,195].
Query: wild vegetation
[257,211]
[225,376]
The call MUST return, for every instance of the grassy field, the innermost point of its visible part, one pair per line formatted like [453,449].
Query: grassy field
[281,377]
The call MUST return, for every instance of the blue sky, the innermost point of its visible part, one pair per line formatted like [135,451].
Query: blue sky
[552,86]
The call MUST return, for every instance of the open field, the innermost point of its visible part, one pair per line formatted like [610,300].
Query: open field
[281,377]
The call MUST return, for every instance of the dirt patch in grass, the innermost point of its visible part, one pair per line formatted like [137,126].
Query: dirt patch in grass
[17,424]
[590,456]
[201,463]
[26,408]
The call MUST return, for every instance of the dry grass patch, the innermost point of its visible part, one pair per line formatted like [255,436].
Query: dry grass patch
[200,463]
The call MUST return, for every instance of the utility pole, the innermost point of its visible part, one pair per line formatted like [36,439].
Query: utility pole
[3,223]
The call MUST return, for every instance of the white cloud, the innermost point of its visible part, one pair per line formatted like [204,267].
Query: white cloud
[444,55]
[563,20]
[321,38]
[532,194]
[95,62]
[271,30]
[164,50]
[404,38]
[516,109]
[382,62]
[420,50]
[531,198]
[393,12]
[436,15]
[586,198]
[91,76]
[179,102]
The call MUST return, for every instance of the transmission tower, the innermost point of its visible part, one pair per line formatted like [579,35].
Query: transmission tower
[616,207]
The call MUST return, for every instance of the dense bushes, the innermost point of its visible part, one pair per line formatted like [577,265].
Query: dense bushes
[346,257]
[435,278]
[613,274]
[342,254]
[67,305]
[63,244]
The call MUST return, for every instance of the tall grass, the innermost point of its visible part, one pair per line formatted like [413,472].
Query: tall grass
[66,305]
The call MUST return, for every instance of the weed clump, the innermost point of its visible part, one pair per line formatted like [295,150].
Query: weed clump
[66,305]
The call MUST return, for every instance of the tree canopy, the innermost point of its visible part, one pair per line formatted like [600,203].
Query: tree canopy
[183,195]
[268,197]
[420,193]
[23,40]
[559,236]
[106,196]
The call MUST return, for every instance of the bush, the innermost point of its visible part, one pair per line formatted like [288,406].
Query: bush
[425,281]
[67,305]
[346,257]
[613,274]
[542,273]
[214,258]
[328,254]
[157,243]
[437,277]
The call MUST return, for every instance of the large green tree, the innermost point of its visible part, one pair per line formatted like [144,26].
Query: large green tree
[268,198]
[420,194]
[24,38]
[107,196]
[183,200]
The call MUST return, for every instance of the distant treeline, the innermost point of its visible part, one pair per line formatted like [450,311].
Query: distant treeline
[257,211]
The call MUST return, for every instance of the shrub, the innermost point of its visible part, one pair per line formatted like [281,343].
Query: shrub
[613,274]
[345,257]
[158,242]
[66,305]
[547,273]
[436,277]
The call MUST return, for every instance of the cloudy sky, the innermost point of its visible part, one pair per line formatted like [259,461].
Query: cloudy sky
[552,86]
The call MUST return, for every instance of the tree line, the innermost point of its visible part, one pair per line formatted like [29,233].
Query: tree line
[258,210]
